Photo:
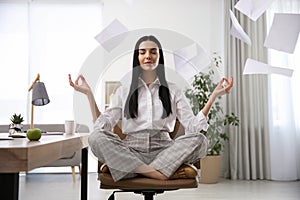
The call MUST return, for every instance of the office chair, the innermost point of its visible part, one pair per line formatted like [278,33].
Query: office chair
[148,187]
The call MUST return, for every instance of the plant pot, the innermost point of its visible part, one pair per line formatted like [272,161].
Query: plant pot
[15,128]
[210,169]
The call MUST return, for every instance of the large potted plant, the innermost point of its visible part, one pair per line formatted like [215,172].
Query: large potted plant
[202,86]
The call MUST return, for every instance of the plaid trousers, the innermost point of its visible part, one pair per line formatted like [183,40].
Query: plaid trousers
[148,147]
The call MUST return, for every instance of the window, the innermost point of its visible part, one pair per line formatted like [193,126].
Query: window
[52,38]
[284,105]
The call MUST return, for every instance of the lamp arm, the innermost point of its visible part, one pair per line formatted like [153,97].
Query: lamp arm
[37,79]
[31,117]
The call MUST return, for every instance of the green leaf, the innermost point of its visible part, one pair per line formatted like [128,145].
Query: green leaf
[202,86]
[16,119]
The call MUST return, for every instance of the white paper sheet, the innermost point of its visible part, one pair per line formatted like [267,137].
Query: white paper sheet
[284,32]
[190,60]
[237,30]
[111,36]
[253,8]
[256,67]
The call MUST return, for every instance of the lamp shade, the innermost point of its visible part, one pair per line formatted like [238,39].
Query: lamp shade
[39,94]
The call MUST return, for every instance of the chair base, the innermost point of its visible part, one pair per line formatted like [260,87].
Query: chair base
[148,194]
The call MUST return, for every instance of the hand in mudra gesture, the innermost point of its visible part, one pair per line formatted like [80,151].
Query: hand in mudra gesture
[83,87]
[220,90]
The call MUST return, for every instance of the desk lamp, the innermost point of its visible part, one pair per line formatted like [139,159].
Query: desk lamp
[39,96]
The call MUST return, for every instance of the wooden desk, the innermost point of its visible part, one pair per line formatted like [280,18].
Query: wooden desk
[21,154]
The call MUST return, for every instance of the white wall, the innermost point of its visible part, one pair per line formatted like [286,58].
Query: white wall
[199,20]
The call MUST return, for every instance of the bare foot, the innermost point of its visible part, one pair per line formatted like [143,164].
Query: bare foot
[149,171]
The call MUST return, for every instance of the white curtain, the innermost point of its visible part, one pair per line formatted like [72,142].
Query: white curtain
[248,150]
[284,104]
[52,38]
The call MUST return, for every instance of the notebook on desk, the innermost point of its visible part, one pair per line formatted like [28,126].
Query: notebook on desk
[6,138]
[52,133]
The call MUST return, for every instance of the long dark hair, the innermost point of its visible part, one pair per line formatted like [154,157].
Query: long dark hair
[131,106]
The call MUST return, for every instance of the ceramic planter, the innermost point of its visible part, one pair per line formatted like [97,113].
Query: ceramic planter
[210,169]
[15,128]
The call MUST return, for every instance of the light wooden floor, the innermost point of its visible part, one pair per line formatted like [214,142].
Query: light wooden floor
[60,186]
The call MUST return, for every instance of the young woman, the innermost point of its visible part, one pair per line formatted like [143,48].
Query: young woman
[148,107]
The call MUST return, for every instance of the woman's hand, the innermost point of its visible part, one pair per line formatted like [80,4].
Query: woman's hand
[220,89]
[83,87]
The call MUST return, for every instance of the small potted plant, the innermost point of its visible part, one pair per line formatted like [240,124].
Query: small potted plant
[202,86]
[16,126]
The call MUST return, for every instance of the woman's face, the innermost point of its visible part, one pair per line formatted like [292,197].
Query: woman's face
[148,55]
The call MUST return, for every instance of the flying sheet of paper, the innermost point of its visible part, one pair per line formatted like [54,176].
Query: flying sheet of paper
[253,8]
[111,36]
[237,30]
[256,67]
[284,32]
[190,60]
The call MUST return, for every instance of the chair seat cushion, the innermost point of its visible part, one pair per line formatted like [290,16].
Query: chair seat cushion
[107,182]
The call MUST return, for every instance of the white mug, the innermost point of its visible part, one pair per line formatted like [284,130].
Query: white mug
[70,126]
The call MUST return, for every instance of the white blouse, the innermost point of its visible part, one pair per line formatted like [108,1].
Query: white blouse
[150,110]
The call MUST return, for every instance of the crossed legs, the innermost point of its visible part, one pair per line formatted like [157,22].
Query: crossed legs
[125,163]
